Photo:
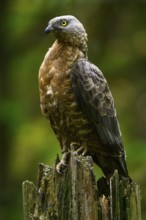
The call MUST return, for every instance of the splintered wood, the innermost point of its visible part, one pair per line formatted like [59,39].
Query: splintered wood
[74,195]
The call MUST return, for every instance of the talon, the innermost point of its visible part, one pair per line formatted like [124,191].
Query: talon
[63,163]
[85,151]
[60,167]
[82,151]
[78,149]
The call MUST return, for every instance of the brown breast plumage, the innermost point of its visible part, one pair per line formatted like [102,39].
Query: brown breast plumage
[58,102]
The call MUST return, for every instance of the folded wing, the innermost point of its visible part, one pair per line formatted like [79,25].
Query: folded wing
[95,100]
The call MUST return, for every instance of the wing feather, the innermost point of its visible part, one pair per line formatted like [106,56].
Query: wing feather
[95,100]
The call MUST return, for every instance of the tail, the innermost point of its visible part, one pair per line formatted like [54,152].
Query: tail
[109,164]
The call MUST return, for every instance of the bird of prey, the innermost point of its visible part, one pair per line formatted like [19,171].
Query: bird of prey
[76,99]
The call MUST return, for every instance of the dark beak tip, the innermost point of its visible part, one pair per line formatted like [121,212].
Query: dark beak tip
[48,29]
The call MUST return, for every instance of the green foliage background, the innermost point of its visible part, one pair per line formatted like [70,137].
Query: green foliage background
[117,45]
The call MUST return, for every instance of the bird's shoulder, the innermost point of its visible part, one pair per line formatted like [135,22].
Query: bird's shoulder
[90,82]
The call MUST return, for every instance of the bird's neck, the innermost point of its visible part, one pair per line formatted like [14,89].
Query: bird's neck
[69,50]
[59,58]
[75,41]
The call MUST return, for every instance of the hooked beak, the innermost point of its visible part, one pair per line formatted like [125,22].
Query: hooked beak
[49,29]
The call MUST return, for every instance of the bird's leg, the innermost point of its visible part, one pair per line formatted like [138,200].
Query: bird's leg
[63,163]
[78,149]
[74,146]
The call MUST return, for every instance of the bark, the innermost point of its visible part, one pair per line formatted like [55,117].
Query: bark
[75,195]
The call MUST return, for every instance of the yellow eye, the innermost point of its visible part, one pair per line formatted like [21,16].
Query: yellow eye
[64,23]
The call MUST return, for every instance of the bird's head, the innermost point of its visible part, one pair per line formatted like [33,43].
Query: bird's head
[67,29]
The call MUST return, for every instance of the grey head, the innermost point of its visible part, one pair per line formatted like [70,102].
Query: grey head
[68,29]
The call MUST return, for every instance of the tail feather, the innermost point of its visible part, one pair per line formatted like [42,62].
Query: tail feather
[109,164]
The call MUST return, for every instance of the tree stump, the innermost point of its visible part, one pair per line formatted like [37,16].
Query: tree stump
[75,195]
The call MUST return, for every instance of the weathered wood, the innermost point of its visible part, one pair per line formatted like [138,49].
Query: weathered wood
[29,199]
[74,195]
[125,199]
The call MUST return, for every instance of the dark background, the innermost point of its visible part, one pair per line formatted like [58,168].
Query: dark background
[117,45]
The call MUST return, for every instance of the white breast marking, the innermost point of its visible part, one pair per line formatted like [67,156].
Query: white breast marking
[49,90]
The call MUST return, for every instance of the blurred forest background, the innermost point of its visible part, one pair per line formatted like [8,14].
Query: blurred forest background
[117,45]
